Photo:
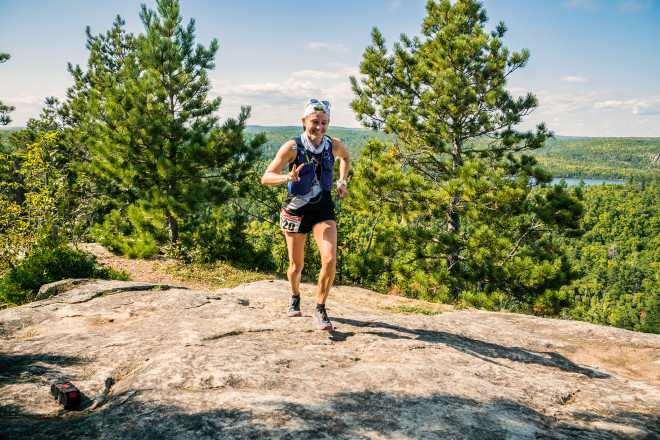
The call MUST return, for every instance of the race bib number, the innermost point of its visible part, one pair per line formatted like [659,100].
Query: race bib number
[288,222]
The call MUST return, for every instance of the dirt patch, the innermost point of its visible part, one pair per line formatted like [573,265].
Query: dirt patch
[146,271]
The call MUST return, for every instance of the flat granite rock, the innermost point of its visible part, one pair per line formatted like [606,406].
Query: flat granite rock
[160,362]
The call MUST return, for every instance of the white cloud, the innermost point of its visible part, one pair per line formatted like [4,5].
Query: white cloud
[575,79]
[391,6]
[220,82]
[30,100]
[268,92]
[646,107]
[641,106]
[316,74]
[550,100]
[592,113]
[29,106]
[343,73]
[328,46]
[635,5]
[608,104]
[281,102]
[587,5]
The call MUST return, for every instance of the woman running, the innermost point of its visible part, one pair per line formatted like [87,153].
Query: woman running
[308,206]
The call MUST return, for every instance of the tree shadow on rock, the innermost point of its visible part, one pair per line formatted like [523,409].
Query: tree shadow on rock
[356,415]
[19,368]
[42,368]
[129,420]
[486,351]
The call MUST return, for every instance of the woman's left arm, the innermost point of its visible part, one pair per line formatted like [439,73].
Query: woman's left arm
[339,150]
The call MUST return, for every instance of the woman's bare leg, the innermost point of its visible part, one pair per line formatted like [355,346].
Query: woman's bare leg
[295,243]
[325,235]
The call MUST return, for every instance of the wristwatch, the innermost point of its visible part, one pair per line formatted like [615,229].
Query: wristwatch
[341,182]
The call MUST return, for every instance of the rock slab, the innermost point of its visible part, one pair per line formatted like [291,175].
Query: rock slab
[158,362]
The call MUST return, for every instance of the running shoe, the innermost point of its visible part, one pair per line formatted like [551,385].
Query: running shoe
[322,321]
[294,306]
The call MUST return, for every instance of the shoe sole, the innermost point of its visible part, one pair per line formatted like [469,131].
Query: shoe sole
[323,326]
[292,314]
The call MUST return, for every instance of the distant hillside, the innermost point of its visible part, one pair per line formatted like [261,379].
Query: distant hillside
[6,132]
[564,156]
[601,158]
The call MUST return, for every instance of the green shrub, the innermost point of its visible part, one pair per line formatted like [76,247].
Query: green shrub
[651,317]
[550,303]
[479,300]
[213,234]
[137,235]
[219,234]
[50,260]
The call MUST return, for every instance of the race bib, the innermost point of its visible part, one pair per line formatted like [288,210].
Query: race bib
[288,222]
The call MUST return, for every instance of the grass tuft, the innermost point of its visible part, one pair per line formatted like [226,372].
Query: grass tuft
[216,275]
[408,310]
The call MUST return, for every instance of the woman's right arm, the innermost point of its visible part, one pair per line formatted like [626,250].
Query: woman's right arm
[285,155]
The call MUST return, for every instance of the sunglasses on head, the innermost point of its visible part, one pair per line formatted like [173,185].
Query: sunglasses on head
[316,101]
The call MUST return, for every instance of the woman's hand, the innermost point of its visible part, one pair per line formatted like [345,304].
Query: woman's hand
[342,191]
[285,155]
[292,176]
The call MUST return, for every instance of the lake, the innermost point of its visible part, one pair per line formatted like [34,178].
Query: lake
[588,182]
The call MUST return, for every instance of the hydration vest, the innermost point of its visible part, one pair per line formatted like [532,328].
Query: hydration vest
[306,175]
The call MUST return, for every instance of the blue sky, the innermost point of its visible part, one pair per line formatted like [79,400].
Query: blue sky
[595,64]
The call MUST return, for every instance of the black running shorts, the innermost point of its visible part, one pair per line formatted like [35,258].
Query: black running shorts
[304,223]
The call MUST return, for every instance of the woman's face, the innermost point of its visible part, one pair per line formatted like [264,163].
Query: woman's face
[316,125]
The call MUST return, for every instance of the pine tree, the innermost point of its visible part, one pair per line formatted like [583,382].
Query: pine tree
[5,109]
[143,104]
[455,189]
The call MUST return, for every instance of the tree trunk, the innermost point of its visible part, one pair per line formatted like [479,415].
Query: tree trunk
[453,226]
[173,227]
[19,180]
[454,220]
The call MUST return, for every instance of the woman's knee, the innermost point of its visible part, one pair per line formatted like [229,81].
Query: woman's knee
[329,260]
[295,267]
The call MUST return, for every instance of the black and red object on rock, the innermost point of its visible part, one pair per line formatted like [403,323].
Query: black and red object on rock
[66,393]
